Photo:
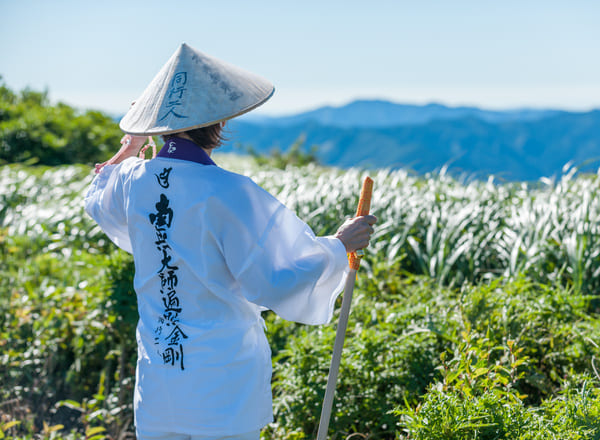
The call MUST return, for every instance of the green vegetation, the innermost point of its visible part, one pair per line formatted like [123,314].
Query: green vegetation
[36,132]
[475,314]
[297,155]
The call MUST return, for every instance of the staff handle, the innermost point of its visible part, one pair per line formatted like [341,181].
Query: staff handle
[364,205]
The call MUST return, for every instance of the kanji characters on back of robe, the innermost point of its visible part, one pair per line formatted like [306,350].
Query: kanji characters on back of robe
[169,343]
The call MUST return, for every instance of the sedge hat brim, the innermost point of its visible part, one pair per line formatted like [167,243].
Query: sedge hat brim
[194,90]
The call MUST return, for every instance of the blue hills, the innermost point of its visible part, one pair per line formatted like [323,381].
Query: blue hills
[522,144]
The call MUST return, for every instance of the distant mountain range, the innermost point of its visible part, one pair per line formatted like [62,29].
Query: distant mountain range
[377,113]
[523,144]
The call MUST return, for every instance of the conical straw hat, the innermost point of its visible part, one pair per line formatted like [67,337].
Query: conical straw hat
[194,90]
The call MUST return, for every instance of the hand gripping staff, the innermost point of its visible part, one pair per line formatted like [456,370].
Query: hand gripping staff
[364,205]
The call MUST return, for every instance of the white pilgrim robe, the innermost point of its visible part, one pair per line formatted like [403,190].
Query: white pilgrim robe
[211,250]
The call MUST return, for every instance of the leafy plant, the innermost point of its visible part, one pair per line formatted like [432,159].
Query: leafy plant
[35,132]
[296,156]
[474,312]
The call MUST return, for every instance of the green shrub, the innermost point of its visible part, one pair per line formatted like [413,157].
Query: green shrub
[450,415]
[36,132]
[472,311]
[501,346]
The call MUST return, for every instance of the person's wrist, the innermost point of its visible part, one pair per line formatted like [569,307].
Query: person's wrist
[339,237]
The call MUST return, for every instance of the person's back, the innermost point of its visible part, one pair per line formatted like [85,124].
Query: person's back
[211,251]
[200,337]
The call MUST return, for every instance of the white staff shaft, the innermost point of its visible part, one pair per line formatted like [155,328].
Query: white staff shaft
[337,355]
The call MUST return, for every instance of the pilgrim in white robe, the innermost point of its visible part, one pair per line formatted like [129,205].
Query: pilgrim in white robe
[211,250]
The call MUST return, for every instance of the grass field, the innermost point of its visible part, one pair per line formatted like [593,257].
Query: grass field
[476,313]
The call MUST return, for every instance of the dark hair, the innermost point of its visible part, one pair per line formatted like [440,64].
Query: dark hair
[206,137]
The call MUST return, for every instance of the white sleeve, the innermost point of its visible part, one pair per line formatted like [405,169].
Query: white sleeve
[280,264]
[106,201]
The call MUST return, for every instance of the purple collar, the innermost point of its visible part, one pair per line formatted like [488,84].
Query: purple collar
[183,149]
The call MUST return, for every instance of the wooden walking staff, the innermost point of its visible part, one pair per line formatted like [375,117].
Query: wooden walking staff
[364,205]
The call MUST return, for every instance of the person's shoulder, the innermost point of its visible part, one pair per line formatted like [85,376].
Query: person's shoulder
[123,170]
[233,180]
[130,165]
[132,162]
[237,189]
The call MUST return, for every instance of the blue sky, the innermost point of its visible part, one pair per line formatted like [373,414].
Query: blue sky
[493,54]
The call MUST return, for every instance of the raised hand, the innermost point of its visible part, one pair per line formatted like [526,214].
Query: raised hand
[130,146]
